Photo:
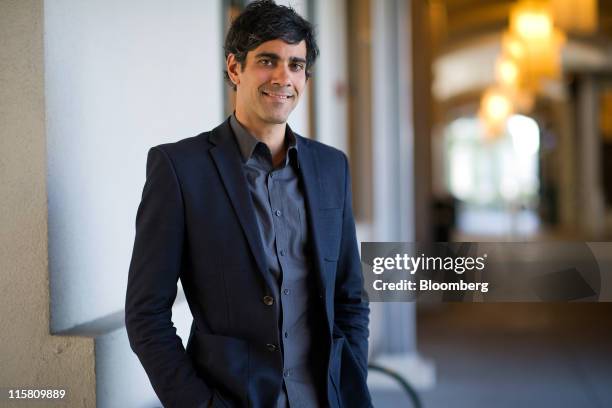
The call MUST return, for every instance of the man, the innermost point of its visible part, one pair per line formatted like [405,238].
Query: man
[257,223]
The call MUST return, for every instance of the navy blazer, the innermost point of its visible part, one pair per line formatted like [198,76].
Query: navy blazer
[196,223]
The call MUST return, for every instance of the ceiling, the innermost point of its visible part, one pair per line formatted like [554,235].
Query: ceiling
[466,20]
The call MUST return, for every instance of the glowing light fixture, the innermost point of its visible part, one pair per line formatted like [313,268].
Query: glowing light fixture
[531,20]
[513,46]
[507,72]
[534,42]
[495,108]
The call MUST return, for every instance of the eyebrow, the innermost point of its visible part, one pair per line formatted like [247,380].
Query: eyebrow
[275,57]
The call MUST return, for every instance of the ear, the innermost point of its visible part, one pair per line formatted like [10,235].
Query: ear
[233,68]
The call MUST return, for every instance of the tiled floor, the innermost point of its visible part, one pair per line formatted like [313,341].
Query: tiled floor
[515,355]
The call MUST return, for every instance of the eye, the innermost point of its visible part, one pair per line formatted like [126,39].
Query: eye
[265,62]
[297,67]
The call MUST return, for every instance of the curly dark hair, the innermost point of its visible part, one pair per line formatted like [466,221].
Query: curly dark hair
[264,20]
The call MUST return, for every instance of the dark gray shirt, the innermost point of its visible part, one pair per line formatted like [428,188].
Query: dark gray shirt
[278,201]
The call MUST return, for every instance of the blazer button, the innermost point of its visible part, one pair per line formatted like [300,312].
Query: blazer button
[268,300]
[271,347]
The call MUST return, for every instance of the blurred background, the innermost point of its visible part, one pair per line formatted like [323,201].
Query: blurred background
[464,120]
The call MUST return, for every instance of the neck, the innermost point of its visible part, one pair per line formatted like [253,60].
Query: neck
[272,134]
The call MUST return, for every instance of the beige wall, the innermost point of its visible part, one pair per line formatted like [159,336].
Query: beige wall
[29,356]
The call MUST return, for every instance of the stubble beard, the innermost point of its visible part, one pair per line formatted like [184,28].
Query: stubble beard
[277,116]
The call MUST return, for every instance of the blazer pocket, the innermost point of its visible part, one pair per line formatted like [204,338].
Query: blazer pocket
[223,363]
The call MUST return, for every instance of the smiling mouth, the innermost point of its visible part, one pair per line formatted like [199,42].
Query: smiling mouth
[277,96]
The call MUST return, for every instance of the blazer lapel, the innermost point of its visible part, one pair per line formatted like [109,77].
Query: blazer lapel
[226,156]
[312,186]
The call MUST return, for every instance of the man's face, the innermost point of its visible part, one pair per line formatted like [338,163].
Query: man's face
[269,87]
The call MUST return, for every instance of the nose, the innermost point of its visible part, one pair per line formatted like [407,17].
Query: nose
[281,76]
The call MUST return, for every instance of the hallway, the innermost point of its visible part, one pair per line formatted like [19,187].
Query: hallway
[515,355]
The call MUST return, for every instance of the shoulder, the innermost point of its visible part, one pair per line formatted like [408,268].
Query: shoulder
[184,148]
[192,149]
[325,155]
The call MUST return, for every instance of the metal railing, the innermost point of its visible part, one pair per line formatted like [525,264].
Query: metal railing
[406,387]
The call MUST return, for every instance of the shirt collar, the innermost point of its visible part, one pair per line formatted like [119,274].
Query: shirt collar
[248,143]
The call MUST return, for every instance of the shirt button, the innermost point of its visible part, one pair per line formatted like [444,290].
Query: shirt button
[268,300]
[287,291]
[282,252]
[278,213]
[271,347]
[286,334]
[287,373]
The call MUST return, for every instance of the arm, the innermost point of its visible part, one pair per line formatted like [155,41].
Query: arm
[151,288]
[351,310]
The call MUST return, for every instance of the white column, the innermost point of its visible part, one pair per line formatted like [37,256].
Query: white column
[592,212]
[394,161]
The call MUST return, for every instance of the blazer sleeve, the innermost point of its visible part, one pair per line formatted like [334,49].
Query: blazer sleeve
[351,309]
[151,289]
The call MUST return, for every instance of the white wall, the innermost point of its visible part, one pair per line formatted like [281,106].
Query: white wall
[121,76]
